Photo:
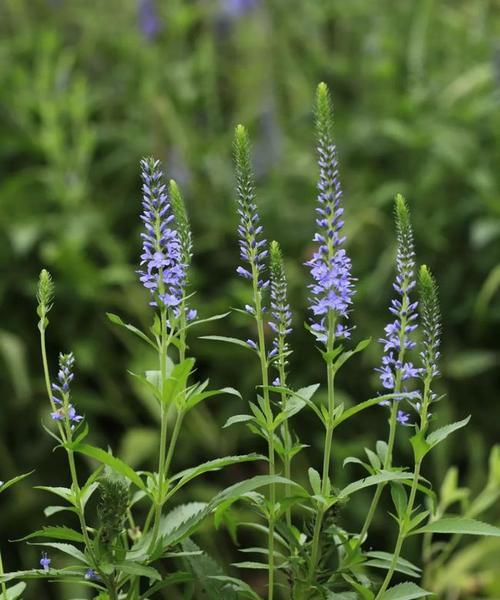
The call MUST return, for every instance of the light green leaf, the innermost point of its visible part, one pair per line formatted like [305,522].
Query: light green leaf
[211,465]
[207,320]
[238,419]
[112,461]
[4,485]
[384,560]
[237,585]
[249,564]
[133,568]
[459,525]
[345,356]
[405,591]
[59,533]
[67,549]
[443,432]
[199,397]
[373,480]
[62,492]
[229,340]
[15,591]
[314,480]
[118,321]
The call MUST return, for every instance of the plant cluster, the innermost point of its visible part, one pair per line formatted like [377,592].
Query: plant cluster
[131,538]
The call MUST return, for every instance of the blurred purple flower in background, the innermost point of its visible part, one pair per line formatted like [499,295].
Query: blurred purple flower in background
[237,8]
[150,23]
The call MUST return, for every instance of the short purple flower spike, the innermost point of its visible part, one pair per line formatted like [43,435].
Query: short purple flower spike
[394,369]
[330,265]
[163,267]
[61,391]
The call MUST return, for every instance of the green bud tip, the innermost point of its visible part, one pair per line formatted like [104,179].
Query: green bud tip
[45,292]
[324,112]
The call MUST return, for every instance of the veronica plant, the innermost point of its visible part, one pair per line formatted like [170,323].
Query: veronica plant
[134,541]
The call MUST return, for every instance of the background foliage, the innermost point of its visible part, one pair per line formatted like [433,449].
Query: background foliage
[87,89]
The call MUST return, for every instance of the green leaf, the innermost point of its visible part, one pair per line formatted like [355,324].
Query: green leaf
[204,567]
[229,340]
[345,356]
[237,490]
[15,591]
[133,568]
[442,433]
[59,533]
[4,485]
[238,585]
[167,580]
[118,321]
[176,381]
[347,414]
[399,498]
[207,320]
[238,419]
[419,445]
[67,549]
[250,564]
[112,461]
[196,398]
[373,480]
[48,511]
[211,465]
[62,492]
[405,591]
[383,560]
[459,525]
[314,480]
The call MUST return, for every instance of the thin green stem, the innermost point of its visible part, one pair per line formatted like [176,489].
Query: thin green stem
[325,479]
[66,437]
[287,442]
[4,587]
[270,427]
[173,441]
[403,527]
[163,429]
[387,465]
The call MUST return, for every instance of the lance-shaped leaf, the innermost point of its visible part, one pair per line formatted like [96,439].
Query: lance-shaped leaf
[405,591]
[372,480]
[460,526]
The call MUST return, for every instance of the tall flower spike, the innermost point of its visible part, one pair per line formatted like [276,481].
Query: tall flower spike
[183,228]
[163,269]
[252,244]
[330,266]
[61,391]
[281,316]
[431,323]
[395,370]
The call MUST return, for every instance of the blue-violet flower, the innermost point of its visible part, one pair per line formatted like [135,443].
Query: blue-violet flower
[330,265]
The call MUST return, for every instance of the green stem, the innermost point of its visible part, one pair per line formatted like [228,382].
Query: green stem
[66,437]
[402,532]
[387,465]
[270,427]
[287,442]
[173,440]
[163,430]
[4,587]
[325,480]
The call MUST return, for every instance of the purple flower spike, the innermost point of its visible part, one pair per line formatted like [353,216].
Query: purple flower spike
[394,370]
[163,265]
[330,265]
[252,244]
[61,391]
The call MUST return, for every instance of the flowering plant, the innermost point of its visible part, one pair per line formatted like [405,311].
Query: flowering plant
[133,540]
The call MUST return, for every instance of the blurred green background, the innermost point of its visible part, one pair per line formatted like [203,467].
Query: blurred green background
[88,88]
